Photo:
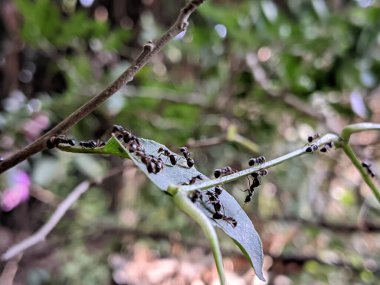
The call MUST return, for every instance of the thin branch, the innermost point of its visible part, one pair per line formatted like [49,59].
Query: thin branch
[41,234]
[61,210]
[9,271]
[366,227]
[149,49]
[356,128]
[44,195]
[104,231]
[262,79]
[229,178]
[304,259]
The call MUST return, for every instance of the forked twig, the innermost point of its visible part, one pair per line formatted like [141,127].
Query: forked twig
[61,210]
[41,234]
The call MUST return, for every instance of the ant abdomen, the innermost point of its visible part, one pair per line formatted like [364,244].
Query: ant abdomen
[256,160]
[227,170]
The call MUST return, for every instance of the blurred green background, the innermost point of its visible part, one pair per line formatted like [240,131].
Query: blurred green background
[274,71]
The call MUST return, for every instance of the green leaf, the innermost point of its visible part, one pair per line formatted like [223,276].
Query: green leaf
[112,146]
[244,234]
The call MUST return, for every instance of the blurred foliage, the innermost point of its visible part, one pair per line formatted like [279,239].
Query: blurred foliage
[324,53]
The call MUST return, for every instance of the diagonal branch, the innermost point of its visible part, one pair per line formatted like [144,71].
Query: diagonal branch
[41,234]
[60,211]
[149,50]
[235,176]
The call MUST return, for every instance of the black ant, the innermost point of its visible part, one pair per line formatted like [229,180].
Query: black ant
[224,171]
[153,164]
[186,154]
[327,147]
[54,141]
[367,166]
[118,131]
[218,190]
[196,195]
[248,198]
[158,165]
[151,167]
[229,220]
[92,143]
[193,180]
[217,215]
[312,138]
[256,182]
[133,147]
[256,176]
[144,158]
[311,148]
[256,160]
[214,200]
[166,152]
[262,172]
[122,133]
[129,137]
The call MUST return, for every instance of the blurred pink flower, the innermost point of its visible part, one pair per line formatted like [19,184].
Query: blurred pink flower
[17,191]
[35,126]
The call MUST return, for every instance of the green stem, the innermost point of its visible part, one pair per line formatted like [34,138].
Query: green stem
[182,202]
[225,179]
[233,136]
[76,149]
[113,147]
[355,128]
[247,143]
[354,159]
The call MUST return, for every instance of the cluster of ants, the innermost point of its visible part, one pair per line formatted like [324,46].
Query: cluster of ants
[313,147]
[213,196]
[255,176]
[54,141]
[173,160]
[153,164]
[132,143]
[213,199]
